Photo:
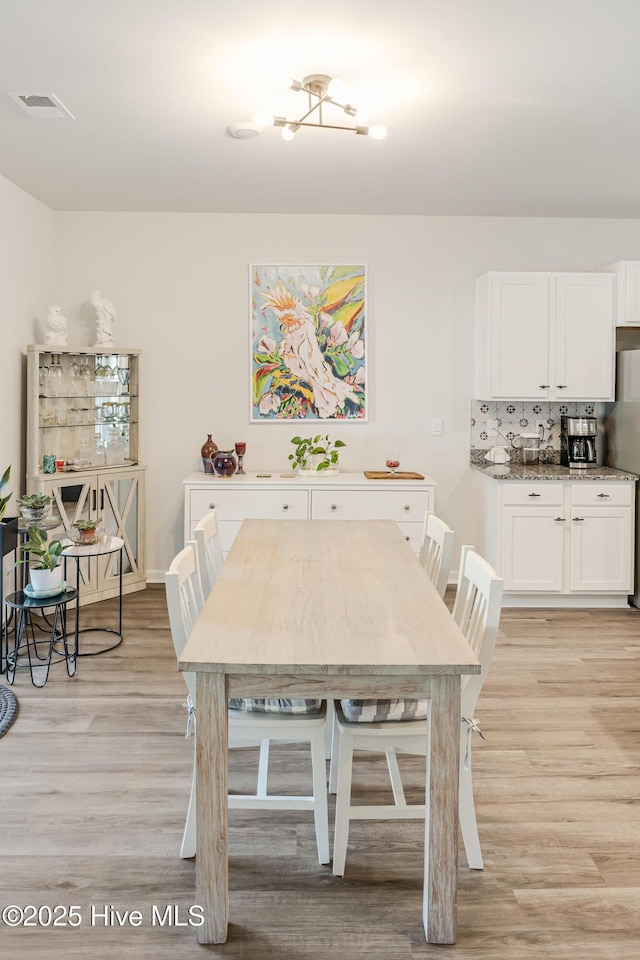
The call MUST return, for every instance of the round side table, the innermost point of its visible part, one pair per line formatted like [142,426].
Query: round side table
[79,552]
[27,646]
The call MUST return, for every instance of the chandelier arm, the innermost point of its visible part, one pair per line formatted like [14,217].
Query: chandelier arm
[316,106]
[323,126]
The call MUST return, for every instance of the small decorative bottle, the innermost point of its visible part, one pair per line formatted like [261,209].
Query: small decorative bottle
[207,450]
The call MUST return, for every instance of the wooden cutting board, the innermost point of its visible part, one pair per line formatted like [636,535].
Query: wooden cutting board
[387,475]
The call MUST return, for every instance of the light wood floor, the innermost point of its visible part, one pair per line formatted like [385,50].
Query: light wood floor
[95,776]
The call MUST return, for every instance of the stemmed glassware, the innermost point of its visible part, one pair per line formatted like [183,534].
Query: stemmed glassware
[393,461]
[241,449]
[124,375]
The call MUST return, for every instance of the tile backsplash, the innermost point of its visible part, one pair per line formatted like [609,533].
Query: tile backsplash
[517,416]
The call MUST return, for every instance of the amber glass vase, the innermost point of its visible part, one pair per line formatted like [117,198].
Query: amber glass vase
[209,447]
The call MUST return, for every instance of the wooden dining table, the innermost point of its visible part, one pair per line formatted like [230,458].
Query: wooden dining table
[326,608]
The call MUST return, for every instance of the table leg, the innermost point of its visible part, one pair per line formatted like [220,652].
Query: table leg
[212,868]
[441,841]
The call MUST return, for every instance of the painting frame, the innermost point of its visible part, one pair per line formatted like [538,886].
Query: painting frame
[308,338]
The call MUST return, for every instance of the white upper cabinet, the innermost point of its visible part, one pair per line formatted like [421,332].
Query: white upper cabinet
[627,274]
[546,336]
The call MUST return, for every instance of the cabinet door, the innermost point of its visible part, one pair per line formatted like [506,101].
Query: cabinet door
[120,503]
[584,337]
[519,324]
[74,497]
[601,549]
[533,548]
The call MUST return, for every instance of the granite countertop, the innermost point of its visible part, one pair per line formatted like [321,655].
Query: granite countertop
[549,471]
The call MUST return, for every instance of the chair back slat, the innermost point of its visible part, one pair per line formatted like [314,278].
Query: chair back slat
[436,552]
[476,610]
[209,549]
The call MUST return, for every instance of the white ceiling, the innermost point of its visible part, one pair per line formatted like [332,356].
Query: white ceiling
[494,107]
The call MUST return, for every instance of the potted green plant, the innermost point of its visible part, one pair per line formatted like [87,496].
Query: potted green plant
[316,455]
[46,572]
[86,532]
[8,527]
[34,506]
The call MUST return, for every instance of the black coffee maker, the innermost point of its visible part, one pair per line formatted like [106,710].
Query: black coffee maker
[578,441]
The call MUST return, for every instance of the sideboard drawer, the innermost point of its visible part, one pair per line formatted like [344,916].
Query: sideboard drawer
[399,505]
[238,504]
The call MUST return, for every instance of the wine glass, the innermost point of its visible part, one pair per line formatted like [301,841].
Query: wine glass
[241,449]
[393,461]
[124,375]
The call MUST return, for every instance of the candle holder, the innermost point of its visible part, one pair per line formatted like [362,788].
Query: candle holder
[241,449]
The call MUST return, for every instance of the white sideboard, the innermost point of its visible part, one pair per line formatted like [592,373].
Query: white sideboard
[271,496]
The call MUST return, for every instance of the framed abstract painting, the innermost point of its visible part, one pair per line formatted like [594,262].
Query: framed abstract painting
[308,342]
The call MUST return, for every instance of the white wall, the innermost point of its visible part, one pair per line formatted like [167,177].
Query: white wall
[26,287]
[180,287]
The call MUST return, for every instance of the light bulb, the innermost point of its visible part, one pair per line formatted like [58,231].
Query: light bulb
[335,87]
[288,132]
[378,131]
[362,116]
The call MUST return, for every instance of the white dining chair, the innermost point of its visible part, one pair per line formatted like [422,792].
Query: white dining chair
[436,552]
[209,549]
[252,722]
[399,725]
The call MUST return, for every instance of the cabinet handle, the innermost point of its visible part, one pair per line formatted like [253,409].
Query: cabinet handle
[544,386]
[212,506]
[407,538]
[561,386]
[334,506]
[407,507]
[578,518]
[604,494]
[285,506]
[534,494]
[560,519]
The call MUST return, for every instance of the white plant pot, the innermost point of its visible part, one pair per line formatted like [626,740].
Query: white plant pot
[312,472]
[43,579]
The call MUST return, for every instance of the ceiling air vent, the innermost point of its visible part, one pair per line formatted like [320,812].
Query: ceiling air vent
[42,106]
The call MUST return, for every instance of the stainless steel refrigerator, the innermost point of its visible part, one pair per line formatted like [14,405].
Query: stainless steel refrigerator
[621,424]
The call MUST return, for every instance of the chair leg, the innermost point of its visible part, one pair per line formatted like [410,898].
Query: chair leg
[188,848]
[343,802]
[394,776]
[468,823]
[334,754]
[328,728]
[263,770]
[320,805]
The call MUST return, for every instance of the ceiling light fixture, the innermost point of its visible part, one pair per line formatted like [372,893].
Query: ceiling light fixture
[321,90]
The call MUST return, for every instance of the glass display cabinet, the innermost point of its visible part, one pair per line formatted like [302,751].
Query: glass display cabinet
[82,449]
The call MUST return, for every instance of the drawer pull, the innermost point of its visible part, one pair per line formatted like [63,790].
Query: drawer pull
[285,506]
[407,539]
[578,518]
[407,507]
[561,386]
[212,506]
[560,519]
[334,506]
[534,494]
[604,494]
[543,386]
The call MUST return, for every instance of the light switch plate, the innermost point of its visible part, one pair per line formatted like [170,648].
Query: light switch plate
[436,427]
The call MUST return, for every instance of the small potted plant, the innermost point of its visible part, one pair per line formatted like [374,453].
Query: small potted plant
[316,455]
[86,532]
[34,506]
[45,570]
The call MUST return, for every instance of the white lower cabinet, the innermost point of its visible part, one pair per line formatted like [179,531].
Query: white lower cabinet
[558,542]
[350,496]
